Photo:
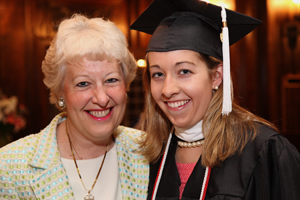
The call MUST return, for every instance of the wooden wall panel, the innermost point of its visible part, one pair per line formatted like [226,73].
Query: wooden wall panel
[12,51]
[282,59]
[249,62]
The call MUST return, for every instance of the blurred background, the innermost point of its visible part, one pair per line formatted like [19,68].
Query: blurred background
[265,64]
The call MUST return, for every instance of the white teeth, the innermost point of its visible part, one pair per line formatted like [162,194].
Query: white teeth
[99,113]
[177,104]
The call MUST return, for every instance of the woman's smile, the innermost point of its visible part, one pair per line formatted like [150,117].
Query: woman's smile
[177,104]
[100,114]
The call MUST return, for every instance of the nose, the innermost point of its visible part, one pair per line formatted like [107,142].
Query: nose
[170,88]
[100,96]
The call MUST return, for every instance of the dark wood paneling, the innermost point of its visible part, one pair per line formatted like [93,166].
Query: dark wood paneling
[249,63]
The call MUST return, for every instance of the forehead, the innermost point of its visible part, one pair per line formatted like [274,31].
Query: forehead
[173,56]
[86,63]
[177,60]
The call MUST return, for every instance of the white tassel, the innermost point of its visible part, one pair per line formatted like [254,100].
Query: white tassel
[227,103]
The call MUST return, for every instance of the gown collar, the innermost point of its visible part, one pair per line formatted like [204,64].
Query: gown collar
[190,135]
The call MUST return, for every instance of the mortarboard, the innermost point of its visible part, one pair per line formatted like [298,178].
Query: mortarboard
[194,25]
[204,20]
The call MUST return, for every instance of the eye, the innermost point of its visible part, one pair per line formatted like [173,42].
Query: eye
[185,71]
[156,75]
[112,80]
[82,84]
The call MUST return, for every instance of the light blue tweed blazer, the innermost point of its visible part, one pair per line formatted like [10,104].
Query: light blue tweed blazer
[30,168]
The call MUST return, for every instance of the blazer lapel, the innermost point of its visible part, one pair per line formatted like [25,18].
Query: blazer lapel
[51,182]
[133,167]
[50,178]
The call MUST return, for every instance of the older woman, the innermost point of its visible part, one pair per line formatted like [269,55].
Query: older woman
[203,146]
[83,153]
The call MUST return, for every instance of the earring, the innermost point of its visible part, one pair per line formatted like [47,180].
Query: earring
[61,103]
[216,88]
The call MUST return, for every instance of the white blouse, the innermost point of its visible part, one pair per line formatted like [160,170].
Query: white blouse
[108,184]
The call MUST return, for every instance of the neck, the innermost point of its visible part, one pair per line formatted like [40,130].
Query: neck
[188,155]
[82,147]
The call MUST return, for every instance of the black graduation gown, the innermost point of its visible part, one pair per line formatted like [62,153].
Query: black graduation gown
[267,169]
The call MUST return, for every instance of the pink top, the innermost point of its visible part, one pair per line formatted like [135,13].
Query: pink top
[184,171]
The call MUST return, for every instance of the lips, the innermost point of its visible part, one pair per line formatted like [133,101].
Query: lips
[177,103]
[99,114]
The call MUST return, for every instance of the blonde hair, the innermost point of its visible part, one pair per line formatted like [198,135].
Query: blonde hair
[224,135]
[78,37]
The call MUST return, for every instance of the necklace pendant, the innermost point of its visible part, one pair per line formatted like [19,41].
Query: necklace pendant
[89,196]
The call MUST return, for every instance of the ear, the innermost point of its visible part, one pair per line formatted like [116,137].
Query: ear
[60,93]
[217,76]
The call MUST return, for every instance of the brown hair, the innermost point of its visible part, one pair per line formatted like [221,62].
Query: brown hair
[224,135]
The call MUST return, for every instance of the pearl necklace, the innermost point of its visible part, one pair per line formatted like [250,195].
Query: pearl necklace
[161,167]
[190,144]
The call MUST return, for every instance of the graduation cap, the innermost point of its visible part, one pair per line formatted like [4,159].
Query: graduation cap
[195,25]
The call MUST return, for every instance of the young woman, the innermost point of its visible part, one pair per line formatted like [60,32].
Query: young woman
[200,144]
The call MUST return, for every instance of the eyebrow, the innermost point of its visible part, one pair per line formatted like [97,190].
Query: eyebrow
[154,66]
[176,64]
[183,62]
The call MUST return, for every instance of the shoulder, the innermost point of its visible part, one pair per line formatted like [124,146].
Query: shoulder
[269,156]
[133,166]
[275,159]
[270,148]
[17,155]
[268,145]
[268,138]
[129,137]
[21,144]
[271,143]
[27,146]
[264,134]
[123,130]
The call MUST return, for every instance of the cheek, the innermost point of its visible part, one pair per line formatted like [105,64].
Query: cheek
[118,94]
[70,92]
[69,95]
[77,100]
[201,92]
[155,91]
[206,98]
